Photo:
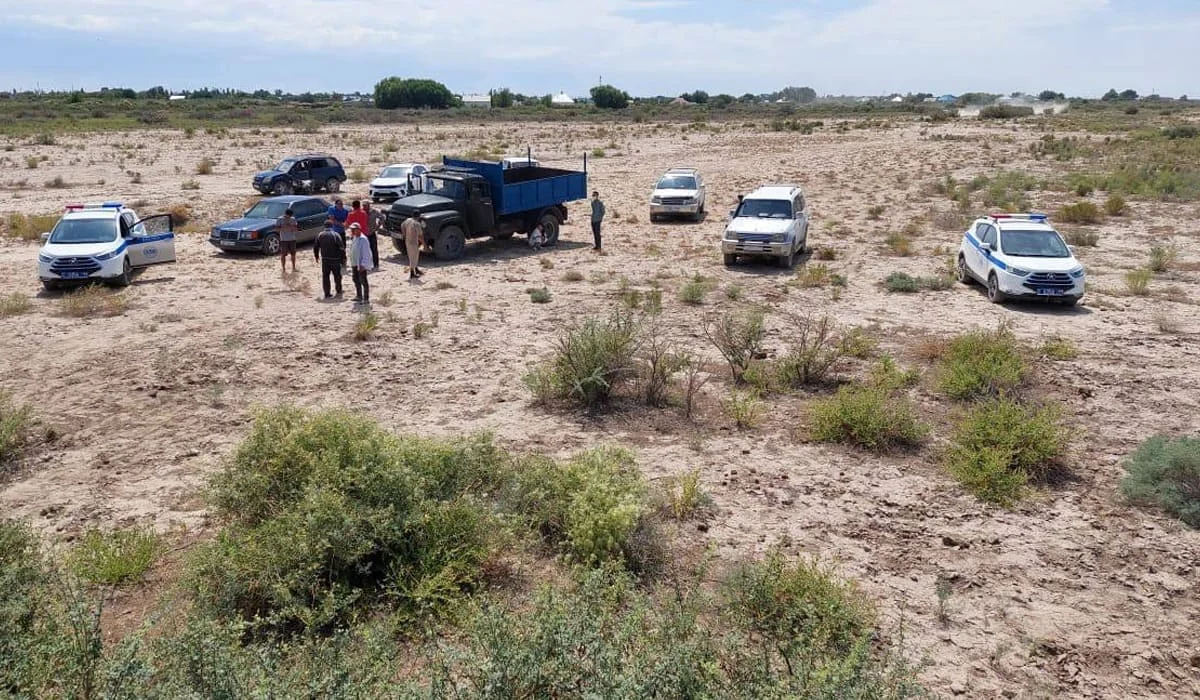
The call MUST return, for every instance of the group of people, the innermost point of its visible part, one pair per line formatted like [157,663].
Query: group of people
[361,252]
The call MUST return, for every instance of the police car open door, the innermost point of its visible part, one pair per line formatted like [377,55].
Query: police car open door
[153,241]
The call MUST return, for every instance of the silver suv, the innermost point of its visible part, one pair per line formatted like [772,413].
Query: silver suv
[771,221]
[679,192]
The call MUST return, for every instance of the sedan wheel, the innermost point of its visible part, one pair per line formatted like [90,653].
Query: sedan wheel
[271,245]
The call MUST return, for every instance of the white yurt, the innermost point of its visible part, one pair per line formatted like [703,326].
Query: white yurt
[562,99]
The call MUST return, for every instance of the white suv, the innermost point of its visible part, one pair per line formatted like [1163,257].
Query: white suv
[769,222]
[104,242]
[1020,255]
[679,191]
[396,181]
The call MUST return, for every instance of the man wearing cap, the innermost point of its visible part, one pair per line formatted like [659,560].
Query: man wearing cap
[339,213]
[360,264]
[330,250]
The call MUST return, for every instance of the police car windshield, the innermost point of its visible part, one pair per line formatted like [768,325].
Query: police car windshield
[267,210]
[85,231]
[1034,244]
[766,208]
[677,182]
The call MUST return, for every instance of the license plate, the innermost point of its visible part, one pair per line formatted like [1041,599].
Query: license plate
[73,275]
[228,244]
[1051,292]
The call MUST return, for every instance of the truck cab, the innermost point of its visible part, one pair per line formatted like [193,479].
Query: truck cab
[471,199]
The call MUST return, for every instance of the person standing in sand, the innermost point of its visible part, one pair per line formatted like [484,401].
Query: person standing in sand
[289,229]
[375,219]
[330,250]
[597,218]
[360,265]
[413,229]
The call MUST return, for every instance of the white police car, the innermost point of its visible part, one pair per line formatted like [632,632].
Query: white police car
[1020,256]
[103,242]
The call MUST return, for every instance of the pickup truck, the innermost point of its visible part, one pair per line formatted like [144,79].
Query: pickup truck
[471,199]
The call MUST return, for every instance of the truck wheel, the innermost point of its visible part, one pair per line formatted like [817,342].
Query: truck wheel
[730,260]
[993,291]
[271,245]
[333,185]
[450,243]
[399,245]
[549,224]
[964,275]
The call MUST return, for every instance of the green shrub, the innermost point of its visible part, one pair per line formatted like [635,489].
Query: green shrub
[326,512]
[695,290]
[686,496]
[590,362]
[1059,348]
[115,557]
[589,508]
[1165,473]
[816,350]
[1005,112]
[905,283]
[14,429]
[739,339]
[1115,206]
[1162,257]
[1001,445]
[875,212]
[868,417]
[745,408]
[1083,238]
[1080,213]
[23,581]
[981,364]
[365,327]
[540,296]
[1137,282]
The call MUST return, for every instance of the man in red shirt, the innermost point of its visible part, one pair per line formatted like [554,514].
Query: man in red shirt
[356,215]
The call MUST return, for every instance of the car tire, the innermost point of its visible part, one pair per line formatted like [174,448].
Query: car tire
[1070,301]
[730,259]
[271,245]
[333,185]
[281,188]
[50,286]
[400,247]
[550,225]
[450,244]
[964,274]
[126,277]
[787,261]
[654,218]
[994,294]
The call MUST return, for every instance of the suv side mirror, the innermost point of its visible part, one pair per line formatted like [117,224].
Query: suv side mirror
[45,236]
[732,213]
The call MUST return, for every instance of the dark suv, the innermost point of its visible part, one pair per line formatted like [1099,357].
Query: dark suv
[307,173]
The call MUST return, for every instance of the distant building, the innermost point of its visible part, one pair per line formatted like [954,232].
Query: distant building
[680,101]
[948,99]
[177,97]
[897,98]
[476,100]
[562,99]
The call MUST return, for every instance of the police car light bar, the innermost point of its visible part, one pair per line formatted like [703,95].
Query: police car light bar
[1041,218]
[73,207]
[112,205]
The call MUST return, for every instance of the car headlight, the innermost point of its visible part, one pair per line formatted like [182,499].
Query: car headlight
[1019,272]
[730,235]
[779,237]
[1077,273]
[45,258]
[248,235]
[107,256]
[656,200]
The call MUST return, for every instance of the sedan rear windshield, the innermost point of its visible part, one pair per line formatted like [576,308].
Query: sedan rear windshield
[766,208]
[267,210]
[85,231]
[1034,244]
[674,182]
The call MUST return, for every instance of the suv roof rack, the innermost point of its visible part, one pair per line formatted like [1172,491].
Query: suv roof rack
[683,170]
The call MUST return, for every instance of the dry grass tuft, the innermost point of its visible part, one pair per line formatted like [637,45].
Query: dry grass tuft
[93,301]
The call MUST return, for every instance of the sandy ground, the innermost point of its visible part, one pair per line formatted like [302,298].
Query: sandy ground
[1074,594]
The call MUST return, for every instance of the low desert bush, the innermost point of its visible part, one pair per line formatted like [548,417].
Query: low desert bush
[869,417]
[980,364]
[191,184]
[1059,348]
[1087,239]
[31,227]
[365,327]
[359,176]
[685,495]
[326,513]
[1115,206]
[826,253]
[15,420]
[999,446]
[15,304]
[181,214]
[1165,473]
[816,348]
[540,296]
[745,409]
[590,362]
[1137,282]
[904,283]
[1005,112]
[1083,212]
[658,360]
[93,300]
[572,276]
[875,212]
[738,336]
[116,557]
[205,166]
[1162,257]
[695,290]
[900,244]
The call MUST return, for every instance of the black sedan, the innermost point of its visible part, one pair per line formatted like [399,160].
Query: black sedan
[258,229]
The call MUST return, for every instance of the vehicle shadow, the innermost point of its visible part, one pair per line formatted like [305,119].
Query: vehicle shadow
[679,220]
[1038,307]
[768,266]
[480,250]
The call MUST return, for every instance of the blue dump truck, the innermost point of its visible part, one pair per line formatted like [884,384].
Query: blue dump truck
[471,199]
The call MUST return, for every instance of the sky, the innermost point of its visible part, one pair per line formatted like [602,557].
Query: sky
[646,47]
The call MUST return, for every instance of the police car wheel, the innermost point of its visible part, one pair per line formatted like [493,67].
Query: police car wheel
[993,291]
[964,275]
[126,277]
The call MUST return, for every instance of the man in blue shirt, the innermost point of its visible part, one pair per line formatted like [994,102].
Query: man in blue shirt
[338,212]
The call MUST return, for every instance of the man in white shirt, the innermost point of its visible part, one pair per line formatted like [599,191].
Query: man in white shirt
[360,265]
